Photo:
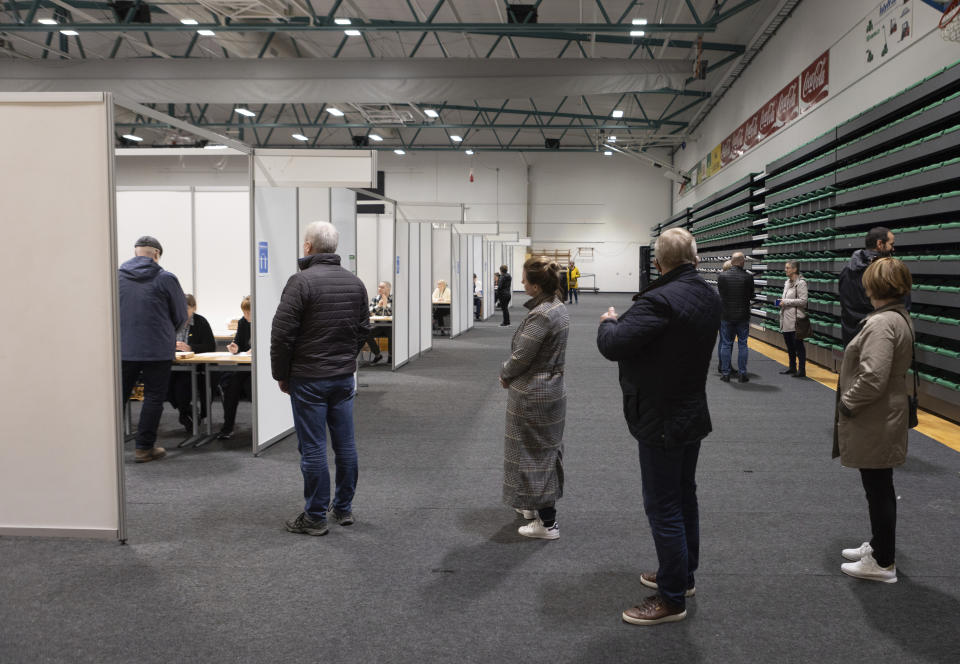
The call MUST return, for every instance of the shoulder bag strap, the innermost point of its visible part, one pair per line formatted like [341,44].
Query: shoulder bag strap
[913,353]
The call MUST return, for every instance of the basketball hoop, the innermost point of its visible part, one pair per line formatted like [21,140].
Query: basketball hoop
[949,24]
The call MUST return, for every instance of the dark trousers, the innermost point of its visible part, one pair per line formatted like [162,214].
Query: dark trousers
[319,404]
[235,387]
[179,394]
[574,293]
[548,515]
[505,308]
[372,342]
[477,307]
[728,330]
[882,503]
[156,379]
[670,500]
[796,351]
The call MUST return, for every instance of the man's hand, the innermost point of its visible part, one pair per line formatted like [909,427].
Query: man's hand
[183,346]
[504,384]
[233,348]
[284,386]
[610,315]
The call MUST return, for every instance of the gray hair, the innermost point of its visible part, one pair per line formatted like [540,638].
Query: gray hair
[322,236]
[738,259]
[675,247]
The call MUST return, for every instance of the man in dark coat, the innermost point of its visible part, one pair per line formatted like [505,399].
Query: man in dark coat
[320,325]
[854,303]
[664,345]
[504,293]
[152,309]
[736,291]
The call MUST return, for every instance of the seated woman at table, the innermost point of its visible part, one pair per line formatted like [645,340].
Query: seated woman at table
[236,384]
[381,305]
[441,295]
[196,337]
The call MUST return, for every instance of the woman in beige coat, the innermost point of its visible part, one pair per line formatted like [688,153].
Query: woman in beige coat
[871,422]
[793,305]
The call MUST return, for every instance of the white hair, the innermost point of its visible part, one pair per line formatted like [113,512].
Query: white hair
[322,236]
[675,247]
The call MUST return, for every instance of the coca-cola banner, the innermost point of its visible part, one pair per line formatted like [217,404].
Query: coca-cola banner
[797,97]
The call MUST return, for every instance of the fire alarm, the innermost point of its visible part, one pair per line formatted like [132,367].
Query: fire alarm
[471,175]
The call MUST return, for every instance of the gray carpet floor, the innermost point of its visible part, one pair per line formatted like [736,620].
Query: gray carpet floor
[434,570]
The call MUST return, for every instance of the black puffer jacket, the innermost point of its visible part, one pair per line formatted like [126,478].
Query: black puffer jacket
[854,303]
[321,322]
[664,344]
[736,291]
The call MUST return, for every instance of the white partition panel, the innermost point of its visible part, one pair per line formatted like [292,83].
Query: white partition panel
[222,245]
[167,216]
[316,168]
[343,215]
[314,205]
[60,475]
[401,291]
[456,286]
[385,255]
[466,283]
[275,223]
[426,287]
[414,297]
[368,251]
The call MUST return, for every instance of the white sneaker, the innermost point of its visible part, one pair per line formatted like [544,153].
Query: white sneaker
[867,568]
[858,553]
[536,529]
[527,514]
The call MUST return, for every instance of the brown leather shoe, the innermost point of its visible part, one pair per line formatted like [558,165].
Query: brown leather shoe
[649,579]
[154,453]
[653,611]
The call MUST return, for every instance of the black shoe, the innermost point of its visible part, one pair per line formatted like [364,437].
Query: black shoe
[377,358]
[304,525]
[802,374]
[743,378]
[225,434]
[343,518]
[789,372]
[504,324]
[725,379]
[187,421]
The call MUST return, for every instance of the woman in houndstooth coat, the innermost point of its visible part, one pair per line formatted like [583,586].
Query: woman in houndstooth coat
[537,403]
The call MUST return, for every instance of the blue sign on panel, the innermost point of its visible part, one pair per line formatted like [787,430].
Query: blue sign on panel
[263,258]
[398,265]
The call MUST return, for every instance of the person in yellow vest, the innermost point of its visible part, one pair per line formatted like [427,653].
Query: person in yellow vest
[572,290]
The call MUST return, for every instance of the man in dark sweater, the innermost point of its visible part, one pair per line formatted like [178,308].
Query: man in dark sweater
[854,303]
[736,292]
[320,325]
[664,344]
[152,309]
[504,293]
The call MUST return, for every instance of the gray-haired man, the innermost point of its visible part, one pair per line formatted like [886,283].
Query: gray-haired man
[318,330]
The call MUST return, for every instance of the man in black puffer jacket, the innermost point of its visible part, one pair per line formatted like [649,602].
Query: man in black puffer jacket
[736,291]
[664,344]
[320,325]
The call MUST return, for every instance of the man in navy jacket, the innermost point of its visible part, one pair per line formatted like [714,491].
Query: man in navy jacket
[152,309]
[664,344]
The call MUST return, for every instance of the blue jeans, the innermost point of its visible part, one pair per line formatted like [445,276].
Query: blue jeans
[729,329]
[320,403]
[670,500]
[574,294]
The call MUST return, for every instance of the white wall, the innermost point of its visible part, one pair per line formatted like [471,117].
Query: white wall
[814,27]
[192,171]
[572,200]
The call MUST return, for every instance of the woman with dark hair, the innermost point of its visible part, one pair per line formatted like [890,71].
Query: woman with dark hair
[793,305]
[537,403]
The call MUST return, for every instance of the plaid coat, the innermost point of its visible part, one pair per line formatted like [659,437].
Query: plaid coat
[536,407]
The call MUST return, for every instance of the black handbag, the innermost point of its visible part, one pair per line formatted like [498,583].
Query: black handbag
[913,403]
[803,329]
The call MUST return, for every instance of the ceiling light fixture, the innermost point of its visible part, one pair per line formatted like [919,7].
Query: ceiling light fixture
[456,139]
[190,21]
[335,111]
[206,33]
[47,21]
[399,151]
[612,139]
[639,21]
[342,21]
[69,33]
[352,33]
[617,114]
[430,113]
[214,147]
[131,137]
[300,137]
[245,112]
[376,137]
[637,33]
[608,153]
[468,152]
